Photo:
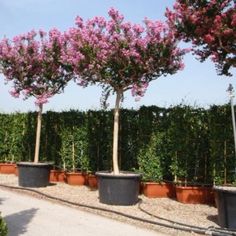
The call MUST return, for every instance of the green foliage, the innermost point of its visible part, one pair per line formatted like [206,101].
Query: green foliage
[74,149]
[11,137]
[221,144]
[192,144]
[150,160]
[3,227]
[188,142]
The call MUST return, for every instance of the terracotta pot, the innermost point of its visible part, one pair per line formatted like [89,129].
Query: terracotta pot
[158,190]
[92,181]
[57,176]
[7,168]
[195,195]
[75,178]
[16,171]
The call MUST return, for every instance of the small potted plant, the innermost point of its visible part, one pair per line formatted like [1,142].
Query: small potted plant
[150,161]
[74,153]
[11,143]
[188,142]
[32,63]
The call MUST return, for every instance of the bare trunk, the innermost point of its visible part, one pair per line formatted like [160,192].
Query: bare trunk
[116,134]
[38,134]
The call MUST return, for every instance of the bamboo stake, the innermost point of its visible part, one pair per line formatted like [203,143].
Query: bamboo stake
[225,161]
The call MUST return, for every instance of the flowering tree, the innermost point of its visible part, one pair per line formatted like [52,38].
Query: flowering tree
[211,26]
[33,66]
[121,56]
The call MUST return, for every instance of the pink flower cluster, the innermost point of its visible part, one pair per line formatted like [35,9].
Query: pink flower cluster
[119,54]
[32,63]
[112,53]
[210,26]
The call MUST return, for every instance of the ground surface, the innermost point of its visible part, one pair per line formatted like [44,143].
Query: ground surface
[27,215]
[159,211]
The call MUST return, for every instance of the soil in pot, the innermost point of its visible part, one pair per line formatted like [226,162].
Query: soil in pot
[158,190]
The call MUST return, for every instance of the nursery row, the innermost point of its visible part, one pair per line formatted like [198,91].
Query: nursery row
[180,143]
[184,194]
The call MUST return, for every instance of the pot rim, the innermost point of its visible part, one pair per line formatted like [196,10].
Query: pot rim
[122,174]
[39,164]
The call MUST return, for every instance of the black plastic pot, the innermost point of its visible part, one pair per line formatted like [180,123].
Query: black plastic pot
[226,204]
[33,174]
[122,189]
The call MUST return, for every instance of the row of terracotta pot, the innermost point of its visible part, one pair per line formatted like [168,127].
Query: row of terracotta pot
[74,178]
[183,194]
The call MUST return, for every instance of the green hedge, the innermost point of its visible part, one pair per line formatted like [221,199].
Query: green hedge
[194,144]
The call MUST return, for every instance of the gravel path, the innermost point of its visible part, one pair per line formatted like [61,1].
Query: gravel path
[161,210]
[30,216]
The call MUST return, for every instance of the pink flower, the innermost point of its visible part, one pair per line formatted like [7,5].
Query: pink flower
[79,21]
[233,22]
[214,57]
[209,38]
[14,93]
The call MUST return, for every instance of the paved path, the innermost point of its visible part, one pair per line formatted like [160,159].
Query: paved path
[26,215]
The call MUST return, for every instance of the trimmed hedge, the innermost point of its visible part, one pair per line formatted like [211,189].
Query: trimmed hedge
[194,144]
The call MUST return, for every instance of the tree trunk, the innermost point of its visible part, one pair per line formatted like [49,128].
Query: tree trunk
[116,134]
[38,134]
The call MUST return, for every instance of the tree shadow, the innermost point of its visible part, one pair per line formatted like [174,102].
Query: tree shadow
[17,222]
[2,200]
[213,218]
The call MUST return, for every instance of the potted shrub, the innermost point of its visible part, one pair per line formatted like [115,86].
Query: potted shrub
[34,68]
[211,27]
[150,161]
[121,56]
[189,145]
[11,142]
[74,152]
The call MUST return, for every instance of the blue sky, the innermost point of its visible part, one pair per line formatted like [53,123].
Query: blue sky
[197,84]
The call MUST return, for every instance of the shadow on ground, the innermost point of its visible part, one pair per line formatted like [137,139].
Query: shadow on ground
[213,218]
[2,200]
[17,223]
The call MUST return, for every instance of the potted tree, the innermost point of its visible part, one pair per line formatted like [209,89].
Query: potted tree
[121,56]
[211,27]
[150,161]
[74,152]
[33,66]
